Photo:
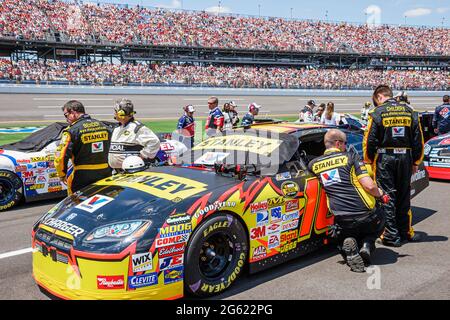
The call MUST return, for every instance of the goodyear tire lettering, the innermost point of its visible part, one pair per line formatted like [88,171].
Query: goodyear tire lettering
[218,225]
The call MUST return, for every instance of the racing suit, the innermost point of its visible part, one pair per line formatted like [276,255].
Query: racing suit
[86,144]
[186,127]
[393,143]
[354,209]
[307,114]
[365,114]
[248,119]
[132,139]
[215,120]
[441,119]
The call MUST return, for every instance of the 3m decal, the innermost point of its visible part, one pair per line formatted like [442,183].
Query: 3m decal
[94,203]
[258,232]
[161,185]
[142,262]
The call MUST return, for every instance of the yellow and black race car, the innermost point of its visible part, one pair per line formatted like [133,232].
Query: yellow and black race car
[242,199]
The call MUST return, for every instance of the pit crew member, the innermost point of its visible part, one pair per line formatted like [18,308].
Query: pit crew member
[85,142]
[307,113]
[186,126]
[249,118]
[351,194]
[131,137]
[441,118]
[393,143]
[215,119]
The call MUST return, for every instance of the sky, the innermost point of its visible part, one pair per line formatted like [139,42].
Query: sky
[411,12]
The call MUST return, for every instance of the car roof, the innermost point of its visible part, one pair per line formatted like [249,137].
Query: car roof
[287,127]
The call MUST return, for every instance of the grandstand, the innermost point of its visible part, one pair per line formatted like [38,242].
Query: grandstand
[66,42]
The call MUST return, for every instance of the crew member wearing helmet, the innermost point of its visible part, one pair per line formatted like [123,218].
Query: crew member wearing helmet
[131,137]
[186,126]
[365,112]
[133,164]
[249,118]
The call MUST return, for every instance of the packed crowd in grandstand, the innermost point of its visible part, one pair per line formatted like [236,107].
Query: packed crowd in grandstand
[226,76]
[90,22]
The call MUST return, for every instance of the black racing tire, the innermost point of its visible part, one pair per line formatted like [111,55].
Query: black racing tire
[215,256]
[11,192]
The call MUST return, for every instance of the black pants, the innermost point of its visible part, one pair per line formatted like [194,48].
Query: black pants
[364,228]
[83,178]
[393,172]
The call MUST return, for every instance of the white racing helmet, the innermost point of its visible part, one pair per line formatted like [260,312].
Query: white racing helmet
[133,164]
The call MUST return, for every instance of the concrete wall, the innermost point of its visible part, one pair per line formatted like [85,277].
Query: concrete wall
[55,89]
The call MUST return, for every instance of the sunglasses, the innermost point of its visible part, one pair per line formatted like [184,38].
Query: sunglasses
[66,114]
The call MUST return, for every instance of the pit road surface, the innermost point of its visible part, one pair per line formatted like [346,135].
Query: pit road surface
[44,107]
[414,271]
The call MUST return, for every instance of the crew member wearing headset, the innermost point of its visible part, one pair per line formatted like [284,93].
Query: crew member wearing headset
[131,137]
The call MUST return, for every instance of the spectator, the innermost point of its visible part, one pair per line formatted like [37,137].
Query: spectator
[330,117]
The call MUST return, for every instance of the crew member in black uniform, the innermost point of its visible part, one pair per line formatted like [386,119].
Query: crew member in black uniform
[351,194]
[393,143]
[85,142]
[441,118]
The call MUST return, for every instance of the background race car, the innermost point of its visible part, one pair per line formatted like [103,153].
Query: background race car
[437,157]
[242,199]
[27,170]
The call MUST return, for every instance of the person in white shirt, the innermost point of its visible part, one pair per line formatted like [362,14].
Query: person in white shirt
[130,138]
[329,117]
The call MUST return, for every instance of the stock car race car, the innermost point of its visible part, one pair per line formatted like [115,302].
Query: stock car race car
[27,170]
[241,199]
[437,149]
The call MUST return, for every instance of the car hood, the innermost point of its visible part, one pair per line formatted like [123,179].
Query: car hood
[441,141]
[153,195]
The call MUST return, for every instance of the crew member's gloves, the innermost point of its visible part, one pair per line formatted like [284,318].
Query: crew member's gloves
[384,199]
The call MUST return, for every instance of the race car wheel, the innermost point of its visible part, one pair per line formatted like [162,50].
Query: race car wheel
[10,190]
[215,255]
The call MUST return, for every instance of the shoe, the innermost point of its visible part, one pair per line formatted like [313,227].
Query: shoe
[354,260]
[397,243]
[415,238]
[365,253]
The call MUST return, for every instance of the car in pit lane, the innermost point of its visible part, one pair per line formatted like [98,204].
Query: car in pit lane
[244,199]
[27,170]
[437,157]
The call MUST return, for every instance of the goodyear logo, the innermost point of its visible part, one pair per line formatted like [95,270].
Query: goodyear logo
[161,185]
[259,145]
[397,122]
[330,164]
[94,137]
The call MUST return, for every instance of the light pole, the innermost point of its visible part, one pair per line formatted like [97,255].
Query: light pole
[259,10]
[291,12]
[220,2]
[326,15]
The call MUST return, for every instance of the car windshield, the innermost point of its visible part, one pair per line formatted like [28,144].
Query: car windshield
[265,150]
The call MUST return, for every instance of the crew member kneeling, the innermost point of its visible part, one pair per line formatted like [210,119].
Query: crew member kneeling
[351,194]
[130,138]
